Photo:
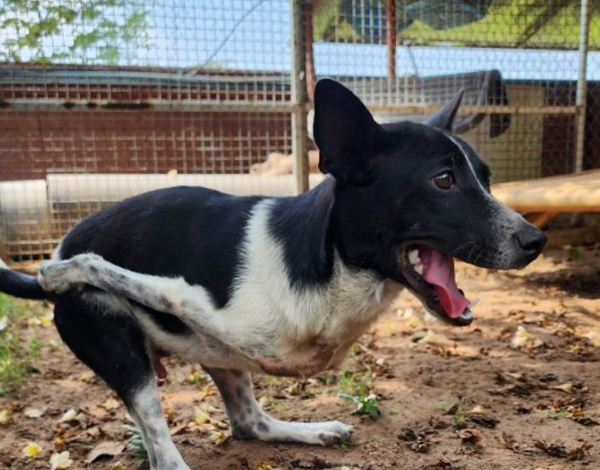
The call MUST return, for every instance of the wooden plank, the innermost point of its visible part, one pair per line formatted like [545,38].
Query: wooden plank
[569,193]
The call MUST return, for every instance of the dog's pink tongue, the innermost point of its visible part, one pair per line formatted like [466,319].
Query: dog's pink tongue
[438,270]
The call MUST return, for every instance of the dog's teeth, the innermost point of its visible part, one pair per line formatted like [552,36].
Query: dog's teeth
[474,302]
[413,256]
[419,269]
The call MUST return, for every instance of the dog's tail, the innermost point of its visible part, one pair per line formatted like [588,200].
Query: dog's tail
[20,285]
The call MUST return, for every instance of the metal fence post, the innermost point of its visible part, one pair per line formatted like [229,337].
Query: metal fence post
[581,97]
[299,97]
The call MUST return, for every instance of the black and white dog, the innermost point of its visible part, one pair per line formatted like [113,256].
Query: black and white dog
[277,285]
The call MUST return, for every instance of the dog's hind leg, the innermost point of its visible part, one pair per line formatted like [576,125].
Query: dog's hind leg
[249,421]
[191,304]
[115,348]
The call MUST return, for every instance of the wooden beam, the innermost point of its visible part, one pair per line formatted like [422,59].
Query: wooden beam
[311,77]
[390,36]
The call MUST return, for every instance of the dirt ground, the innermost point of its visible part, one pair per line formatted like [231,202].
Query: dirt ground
[519,389]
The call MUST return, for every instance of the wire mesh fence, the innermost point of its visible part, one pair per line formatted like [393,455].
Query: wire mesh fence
[103,99]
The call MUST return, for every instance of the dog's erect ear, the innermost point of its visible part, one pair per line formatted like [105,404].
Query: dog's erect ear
[444,118]
[345,132]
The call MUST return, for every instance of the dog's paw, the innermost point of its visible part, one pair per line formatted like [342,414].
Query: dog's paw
[335,433]
[58,276]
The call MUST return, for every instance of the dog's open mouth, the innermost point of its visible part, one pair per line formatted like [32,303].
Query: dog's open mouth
[430,274]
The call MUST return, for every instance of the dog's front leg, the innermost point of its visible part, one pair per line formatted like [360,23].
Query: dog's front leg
[189,303]
[249,421]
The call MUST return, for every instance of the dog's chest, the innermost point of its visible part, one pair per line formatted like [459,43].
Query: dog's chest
[317,326]
[291,328]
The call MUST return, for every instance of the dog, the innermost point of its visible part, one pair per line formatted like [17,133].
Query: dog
[282,286]
[281,164]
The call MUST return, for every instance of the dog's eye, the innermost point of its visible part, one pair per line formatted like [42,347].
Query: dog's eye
[444,180]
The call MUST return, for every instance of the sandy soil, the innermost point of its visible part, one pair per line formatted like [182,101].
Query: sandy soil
[519,389]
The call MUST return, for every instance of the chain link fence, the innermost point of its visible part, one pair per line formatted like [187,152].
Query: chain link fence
[104,99]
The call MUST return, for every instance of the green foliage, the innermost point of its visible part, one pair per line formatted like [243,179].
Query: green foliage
[94,31]
[458,411]
[508,23]
[365,404]
[15,354]
[356,386]
[136,444]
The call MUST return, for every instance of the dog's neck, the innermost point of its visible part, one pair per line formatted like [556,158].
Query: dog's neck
[331,218]
[359,236]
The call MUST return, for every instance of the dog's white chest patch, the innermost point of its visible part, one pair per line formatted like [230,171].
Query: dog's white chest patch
[295,330]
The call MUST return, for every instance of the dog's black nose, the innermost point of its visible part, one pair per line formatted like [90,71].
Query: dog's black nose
[531,239]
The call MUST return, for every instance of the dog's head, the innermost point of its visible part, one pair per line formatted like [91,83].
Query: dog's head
[421,194]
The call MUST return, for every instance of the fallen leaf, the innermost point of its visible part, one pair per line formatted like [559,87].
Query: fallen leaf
[264,401]
[118,466]
[69,416]
[47,319]
[33,413]
[520,338]
[295,389]
[470,436]
[179,428]
[477,409]
[566,387]
[105,449]
[483,420]
[508,442]
[201,416]
[415,322]
[553,449]
[60,461]
[580,452]
[219,437]
[32,450]
[206,391]
[3,417]
[3,323]
[586,421]
[260,466]
[110,404]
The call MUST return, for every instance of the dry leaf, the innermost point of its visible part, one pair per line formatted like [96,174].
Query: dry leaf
[201,416]
[415,322]
[110,404]
[566,387]
[33,413]
[206,391]
[520,338]
[47,319]
[264,401]
[60,461]
[219,437]
[260,466]
[179,428]
[32,450]
[470,436]
[105,449]
[508,442]
[68,416]
[405,313]
[4,417]
[295,389]
[118,466]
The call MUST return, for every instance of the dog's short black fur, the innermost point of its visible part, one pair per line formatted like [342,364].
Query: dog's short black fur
[395,190]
